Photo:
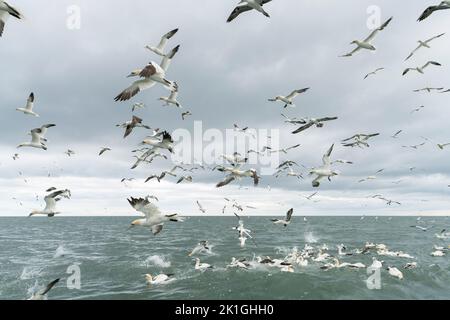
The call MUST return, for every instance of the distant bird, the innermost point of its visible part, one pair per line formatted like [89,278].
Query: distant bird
[159,49]
[285,150]
[15,156]
[41,294]
[37,140]
[138,105]
[130,125]
[201,266]
[417,109]
[200,247]
[428,89]
[200,207]
[154,219]
[365,44]
[5,11]
[236,173]
[171,99]
[360,140]
[185,178]
[420,228]
[428,11]
[442,146]
[416,146]
[311,196]
[373,73]
[395,272]
[159,279]
[424,44]
[288,100]
[287,220]
[29,106]
[247,5]
[368,178]
[342,161]
[325,170]
[152,73]
[421,69]
[396,134]
[293,120]
[50,203]
[103,150]
[185,114]
[69,153]
[317,122]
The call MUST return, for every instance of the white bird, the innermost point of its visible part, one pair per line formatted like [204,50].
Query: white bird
[135,122]
[69,153]
[428,11]
[166,142]
[442,146]
[438,253]
[247,5]
[159,279]
[159,49]
[424,44]
[41,294]
[152,73]
[28,109]
[393,271]
[365,44]
[286,221]
[313,121]
[235,263]
[288,100]
[201,265]
[421,69]
[37,138]
[235,173]
[373,73]
[325,170]
[200,207]
[154,219]
[359,140]
[5,11]
[50,203]
[376,263]
[171,99]
[200,247]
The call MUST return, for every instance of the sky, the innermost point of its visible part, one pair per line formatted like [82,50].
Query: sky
[226,72]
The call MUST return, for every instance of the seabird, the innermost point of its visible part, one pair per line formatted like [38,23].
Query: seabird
[69,153]
[396,134]
[50,203]
[325,170]
[286,221]
[28,109]
[285,150]
[201,266]
[159,279]
[200,247]
[166,142]
[5,11]
[41,294]
[37,138]
[365,44]
[428,11]
[410,265]
[372,73]
[247,5]
[234,173]
[159,50]
[360,140]
[421,69]
[185,114]
[172,99]
[185,178]
[138,105]
[241,263]
[130,125]
[152,73]
[200,207]
[424,44]
[293,120]
[428,89]
[288,99]
[395,272]
[317,122]
[442,146]
[154,219]
[103,150]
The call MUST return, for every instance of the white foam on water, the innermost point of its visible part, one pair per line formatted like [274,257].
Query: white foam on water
[310,237]
[158,261]
[61,252]
[30,273]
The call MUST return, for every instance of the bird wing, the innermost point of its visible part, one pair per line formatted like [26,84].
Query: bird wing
[327,119]
[412,53]
[30,101]
[148,71]
[407,70]
[144,206]
[326,156]
[289,214]
[134,89]
[48,287]
[431,62]
[226,181]
[435,37]
[352,52]
[165,62]
[157,229]
[241,8]
[303,128]
[165,38]
[295,93]
[428,11]
[50,204]
[351,138]
[381,28]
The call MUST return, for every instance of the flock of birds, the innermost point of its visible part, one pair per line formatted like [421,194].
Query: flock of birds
[159,142]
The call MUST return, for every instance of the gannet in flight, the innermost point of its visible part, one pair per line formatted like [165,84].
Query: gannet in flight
[286,221]
[365,44]
[41,294]
[442,146]
[372,73]
[428,89]
[152,73]
[185,114]
[159,279]
[200,207]
[422,69]
[428,11]
[159,50]
[29,107]
[360,140]
[5,11]
[69,153]
[200,247]
[50,203]
[293,120]
[130,125]
[235,173]
[165,143]
[165,63]
[172,99]
[317,122]
[423,44]
[325,170]
[37,138]
[103,150]
[137,105]
[288,100]
[154,219]
[247,5]
[285,150]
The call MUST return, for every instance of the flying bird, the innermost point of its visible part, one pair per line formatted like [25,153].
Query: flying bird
[373,73]
[166,141]
[396,134]
[324,170]
[130,125]
[421,69]
[159,49]
[236,174]
[365,44]
[287,220]
[37,138]
[41,294]
[317,122]
[247,5]
[428,11]
[5,11]
[185,114]
[103,150]
[360,140]
[424,44]
[288,100]
[50,203]
[172,99]
[28,109]
[428,89]
[200,207]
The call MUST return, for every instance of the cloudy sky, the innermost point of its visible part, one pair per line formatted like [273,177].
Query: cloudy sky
[226,73]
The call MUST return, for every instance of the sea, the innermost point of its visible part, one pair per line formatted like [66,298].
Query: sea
[102,258]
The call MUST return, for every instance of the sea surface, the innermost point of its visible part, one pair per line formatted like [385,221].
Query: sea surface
[113,259]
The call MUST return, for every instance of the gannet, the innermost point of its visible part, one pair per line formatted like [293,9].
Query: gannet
[288,100]
[428,11]
[154,219]
[286,221]
[50,203]
[442,146]
[103,150]
[438,253]
[443,234]
[165,64]
[41,294]
[235,173]
[421,69]
[185,114]
[159,279]
[365,44]
[200,207]
[152,73]
[395,272]
[37,138]
[201,266]
[373,73]
[184,178]
[200,247]
[396,134]
[424,44]
[293,120]
[235,263]
[428,89]
[317,122]
[137,105]
[5,11]
[285,150]
[69,153]
[135,122]
[172,99]
[247,5]
[165,142]
[325,170]
[28,109]
[360,140]
[159,50]
[417,109]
